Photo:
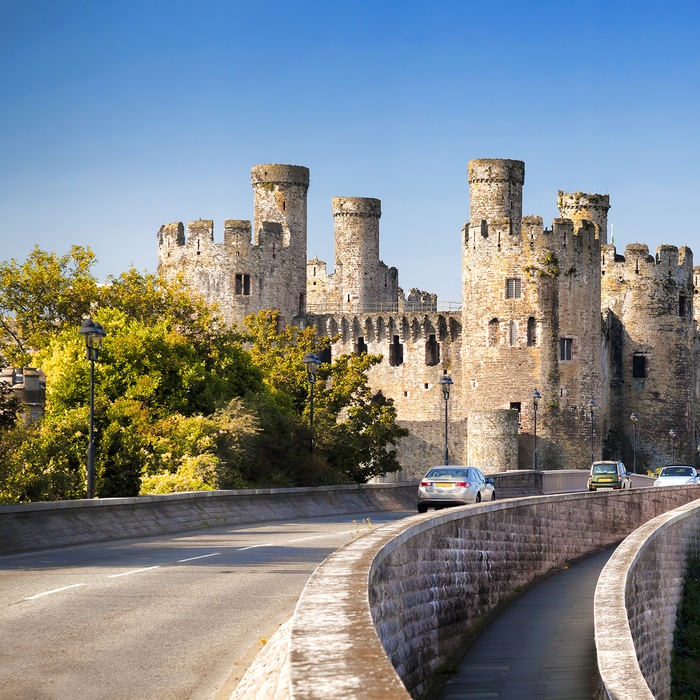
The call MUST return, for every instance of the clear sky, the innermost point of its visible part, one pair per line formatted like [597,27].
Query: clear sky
[117,116]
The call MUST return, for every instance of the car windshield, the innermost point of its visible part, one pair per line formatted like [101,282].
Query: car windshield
[604,468]
[677,471]
[447,474]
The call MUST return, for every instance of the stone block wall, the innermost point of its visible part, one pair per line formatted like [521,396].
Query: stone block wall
[384,612]
[636,602]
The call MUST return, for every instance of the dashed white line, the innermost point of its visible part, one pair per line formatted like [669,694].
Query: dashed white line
[134,571]
[55,590]
[202,556]
[255,546]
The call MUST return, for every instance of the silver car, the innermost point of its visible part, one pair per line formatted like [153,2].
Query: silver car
[677,475]
[454,486]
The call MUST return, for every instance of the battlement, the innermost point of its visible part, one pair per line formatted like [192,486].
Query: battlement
[581,206]
[357,206]
[668,258]
[496,170]
[280,174]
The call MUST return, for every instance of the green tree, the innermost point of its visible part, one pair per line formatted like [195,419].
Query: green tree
[41,295]
[355,430]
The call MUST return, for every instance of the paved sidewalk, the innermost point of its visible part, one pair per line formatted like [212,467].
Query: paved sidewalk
[541,646]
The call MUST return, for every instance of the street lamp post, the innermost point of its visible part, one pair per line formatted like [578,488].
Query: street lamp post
[311,362]
[591,406]
[94,335]
[445,384]
[635,419]
[536,396]
[673,435]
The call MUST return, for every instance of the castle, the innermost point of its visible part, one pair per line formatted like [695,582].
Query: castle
[601,336]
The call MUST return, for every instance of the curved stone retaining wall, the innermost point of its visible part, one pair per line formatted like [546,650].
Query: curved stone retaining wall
[636,600]
[39,525]
[380,615]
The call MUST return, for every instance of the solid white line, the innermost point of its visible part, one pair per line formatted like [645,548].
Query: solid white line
[135,571]
[203,556]
[55,590]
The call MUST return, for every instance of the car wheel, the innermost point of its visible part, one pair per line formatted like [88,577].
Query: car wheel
[478,498]
[422,508]
[493,496]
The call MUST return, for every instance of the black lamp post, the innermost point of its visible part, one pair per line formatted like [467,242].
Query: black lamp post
[673,435]
[635,419]
[445,384]
[536,396]
[94,334]
[591,406]
[311,362]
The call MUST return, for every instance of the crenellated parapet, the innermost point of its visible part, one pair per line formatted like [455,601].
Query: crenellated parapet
[581,206]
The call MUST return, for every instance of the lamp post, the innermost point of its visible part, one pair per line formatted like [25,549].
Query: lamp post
[445,384]
[635,419]
[591,406]
[94,335]
[536,396]
[311,362]
[673,435]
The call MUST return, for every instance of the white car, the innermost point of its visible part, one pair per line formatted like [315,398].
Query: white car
[677,475]
[454,486]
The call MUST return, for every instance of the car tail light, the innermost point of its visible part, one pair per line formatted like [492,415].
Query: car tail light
[426,483]
[463,484]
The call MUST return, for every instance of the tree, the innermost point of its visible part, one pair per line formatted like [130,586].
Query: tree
[355,430]
[38,297]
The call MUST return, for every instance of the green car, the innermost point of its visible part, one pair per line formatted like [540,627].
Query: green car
[606,476]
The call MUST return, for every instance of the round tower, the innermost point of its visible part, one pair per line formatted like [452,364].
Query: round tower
[496,190]
[279,193]
[580,206]
[530,318]
[356,240]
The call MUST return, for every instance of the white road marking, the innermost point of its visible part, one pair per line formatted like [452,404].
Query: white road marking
[202,556]
[255,546]
[135,571]
[55,590]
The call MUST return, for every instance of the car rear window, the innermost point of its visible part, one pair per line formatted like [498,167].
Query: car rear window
[604,468]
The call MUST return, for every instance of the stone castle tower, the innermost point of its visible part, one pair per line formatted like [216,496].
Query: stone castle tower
[599,335]
[254,268]
[530,315]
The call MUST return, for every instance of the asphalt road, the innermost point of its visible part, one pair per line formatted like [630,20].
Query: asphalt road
[176,616]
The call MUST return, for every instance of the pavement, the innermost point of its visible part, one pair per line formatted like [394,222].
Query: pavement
[541,646]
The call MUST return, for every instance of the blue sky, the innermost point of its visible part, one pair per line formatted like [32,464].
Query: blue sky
[117,117]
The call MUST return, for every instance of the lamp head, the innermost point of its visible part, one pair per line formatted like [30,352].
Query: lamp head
[673,434]
[536,396]
[445,384]
[311,362]
[634,418]
[94,334]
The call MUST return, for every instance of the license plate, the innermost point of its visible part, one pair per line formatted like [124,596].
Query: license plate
[444,486]
[604,488]
[607,478]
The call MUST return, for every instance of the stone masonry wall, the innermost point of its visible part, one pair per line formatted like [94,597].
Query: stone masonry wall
[636,602]
[432,578]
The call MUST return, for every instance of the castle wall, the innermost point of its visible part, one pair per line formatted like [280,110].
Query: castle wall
[416,349]
[653,299]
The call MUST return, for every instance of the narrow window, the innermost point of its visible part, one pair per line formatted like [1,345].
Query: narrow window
[513,288]
[516,406]
[531,332]
[395,352]
[683,306]
[326,356]
[432,351]
[565,348]
[198,251]
[639,366]
[242,284]
[513,334]
[494,331]
[360,346]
